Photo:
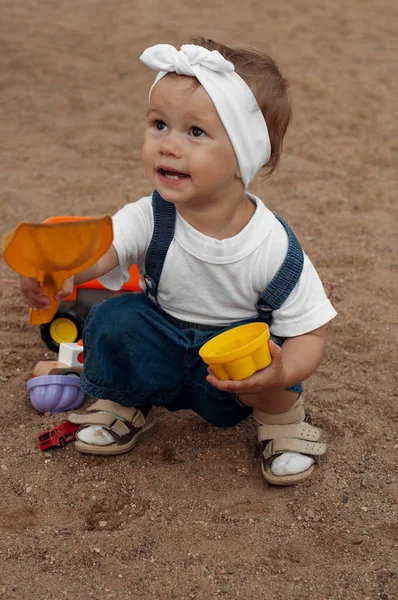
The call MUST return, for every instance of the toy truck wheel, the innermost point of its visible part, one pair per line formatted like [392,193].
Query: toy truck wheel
[66,326]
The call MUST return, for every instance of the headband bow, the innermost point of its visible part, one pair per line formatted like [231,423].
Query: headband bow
[231,96]
[185,61]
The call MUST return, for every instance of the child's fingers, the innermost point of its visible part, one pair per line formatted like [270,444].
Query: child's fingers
[272,376]
[37,300]
[274,349]
[33,294]
[66,290]
[258,381]
[230,385]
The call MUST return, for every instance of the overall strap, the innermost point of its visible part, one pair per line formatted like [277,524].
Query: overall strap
[285,279]
[164,216]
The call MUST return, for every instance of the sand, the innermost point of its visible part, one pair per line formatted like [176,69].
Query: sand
[187,515]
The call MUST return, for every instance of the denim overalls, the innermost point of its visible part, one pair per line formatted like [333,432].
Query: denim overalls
[136,354]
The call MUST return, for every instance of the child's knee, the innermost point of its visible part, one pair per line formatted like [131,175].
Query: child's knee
[111,319]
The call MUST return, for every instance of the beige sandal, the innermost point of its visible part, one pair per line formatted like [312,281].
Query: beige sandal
[126,426]
[288,432]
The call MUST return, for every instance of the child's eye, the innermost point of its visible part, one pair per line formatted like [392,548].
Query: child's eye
[160,125]
[197,132]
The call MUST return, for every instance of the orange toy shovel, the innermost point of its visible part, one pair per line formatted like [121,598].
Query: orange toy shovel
[52,251]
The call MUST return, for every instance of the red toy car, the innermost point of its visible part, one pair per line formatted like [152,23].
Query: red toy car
[57,436]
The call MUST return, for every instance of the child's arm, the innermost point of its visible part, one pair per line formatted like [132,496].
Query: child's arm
[33,294]
[106,263]
[292,363]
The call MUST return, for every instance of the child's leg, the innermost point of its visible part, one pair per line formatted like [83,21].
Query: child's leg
[291,442]
[277,407]
[131,361]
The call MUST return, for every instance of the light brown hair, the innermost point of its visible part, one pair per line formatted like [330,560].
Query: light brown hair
[269,87]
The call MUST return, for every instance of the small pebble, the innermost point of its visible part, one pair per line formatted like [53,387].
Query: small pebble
[103,523]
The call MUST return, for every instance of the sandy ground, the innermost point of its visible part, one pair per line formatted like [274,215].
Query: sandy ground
[187,514]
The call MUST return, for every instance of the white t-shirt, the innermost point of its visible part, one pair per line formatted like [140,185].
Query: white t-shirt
[218,282]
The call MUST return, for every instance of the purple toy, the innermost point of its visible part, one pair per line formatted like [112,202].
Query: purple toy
[55,393]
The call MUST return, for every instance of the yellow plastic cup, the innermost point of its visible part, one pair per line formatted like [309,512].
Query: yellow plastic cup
[238,352]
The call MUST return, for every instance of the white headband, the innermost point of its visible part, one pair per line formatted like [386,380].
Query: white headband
[232,97]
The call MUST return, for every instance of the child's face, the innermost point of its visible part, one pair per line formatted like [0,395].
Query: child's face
[187,154]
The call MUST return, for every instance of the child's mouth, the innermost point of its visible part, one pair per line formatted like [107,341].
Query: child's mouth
[171,175]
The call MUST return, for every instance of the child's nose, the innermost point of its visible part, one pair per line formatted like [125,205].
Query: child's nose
[171,145]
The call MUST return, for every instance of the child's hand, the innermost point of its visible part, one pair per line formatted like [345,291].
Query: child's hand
[34,296]
[272,377]
[66,289]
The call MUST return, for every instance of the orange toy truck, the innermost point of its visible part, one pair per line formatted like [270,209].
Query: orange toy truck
[67,324]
